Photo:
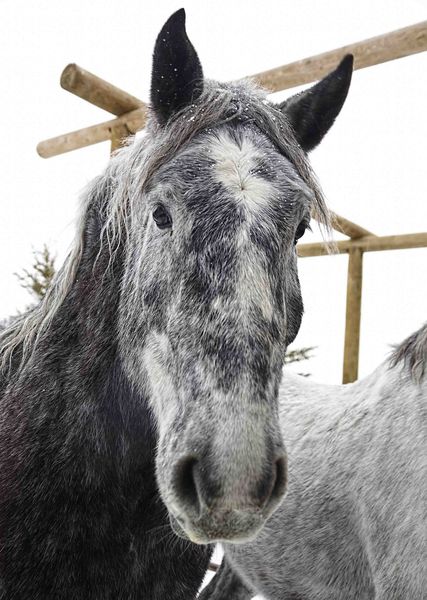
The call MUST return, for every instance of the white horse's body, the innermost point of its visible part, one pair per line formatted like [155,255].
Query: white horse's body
[353,525]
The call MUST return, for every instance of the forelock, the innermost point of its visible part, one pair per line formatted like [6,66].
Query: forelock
[233,102]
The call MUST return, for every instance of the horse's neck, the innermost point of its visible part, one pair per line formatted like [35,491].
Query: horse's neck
[296,389]
[75,367]
[375,403]
[307,404]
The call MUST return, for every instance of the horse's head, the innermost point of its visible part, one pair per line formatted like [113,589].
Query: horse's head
[210,296]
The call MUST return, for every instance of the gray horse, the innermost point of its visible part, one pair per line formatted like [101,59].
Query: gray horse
[159,348]
[354,523]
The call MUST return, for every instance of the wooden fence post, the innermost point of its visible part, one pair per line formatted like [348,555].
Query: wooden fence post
[353,313]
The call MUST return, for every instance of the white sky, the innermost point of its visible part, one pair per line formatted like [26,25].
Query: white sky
[372,165]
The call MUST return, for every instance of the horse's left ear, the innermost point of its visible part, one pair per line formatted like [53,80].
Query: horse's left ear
[312,112]
[177,76]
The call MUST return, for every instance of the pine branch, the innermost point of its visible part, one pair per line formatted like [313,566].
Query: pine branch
[299,354]
[38,279]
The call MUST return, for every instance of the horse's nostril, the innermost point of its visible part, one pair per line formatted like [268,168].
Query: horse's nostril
[273,484]
[279,486]
[185,483]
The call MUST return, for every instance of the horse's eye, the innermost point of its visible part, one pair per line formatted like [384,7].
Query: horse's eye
[300,230]
[162,218]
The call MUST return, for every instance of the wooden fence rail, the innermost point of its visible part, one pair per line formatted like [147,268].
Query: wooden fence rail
[367,244]
[130,122]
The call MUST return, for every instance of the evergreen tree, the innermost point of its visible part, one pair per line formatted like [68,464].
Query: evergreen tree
[38,279]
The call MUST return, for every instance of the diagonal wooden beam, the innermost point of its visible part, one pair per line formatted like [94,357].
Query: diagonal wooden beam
[349,228]
[373,51]
[97,91]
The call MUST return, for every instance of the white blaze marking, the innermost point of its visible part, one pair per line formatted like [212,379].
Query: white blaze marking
[233,168]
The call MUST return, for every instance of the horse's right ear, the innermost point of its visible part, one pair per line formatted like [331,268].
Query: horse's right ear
[177,76]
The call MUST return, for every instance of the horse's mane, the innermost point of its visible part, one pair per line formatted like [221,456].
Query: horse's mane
[412,352]
[128,172]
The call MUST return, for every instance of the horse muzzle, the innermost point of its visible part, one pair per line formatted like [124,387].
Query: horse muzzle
[205,511]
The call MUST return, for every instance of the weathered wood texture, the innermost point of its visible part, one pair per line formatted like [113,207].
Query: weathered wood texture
[347,227]
[97,91]
[118,136]
[403,42]
[367,244]
[353,315]
[373,51]
[133,121]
